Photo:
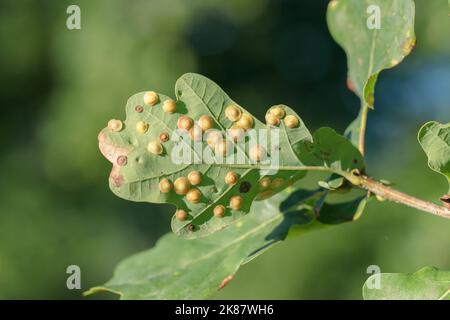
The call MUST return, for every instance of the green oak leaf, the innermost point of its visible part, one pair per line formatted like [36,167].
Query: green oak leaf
[429,283]
[434,138]
[137,172]
[179,269]
[370,50]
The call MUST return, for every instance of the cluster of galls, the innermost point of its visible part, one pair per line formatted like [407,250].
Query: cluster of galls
[215,139]
[150,98]
[275,114]
[241,123]
[185,186]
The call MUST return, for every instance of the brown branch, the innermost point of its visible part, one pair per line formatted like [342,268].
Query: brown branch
[390,194]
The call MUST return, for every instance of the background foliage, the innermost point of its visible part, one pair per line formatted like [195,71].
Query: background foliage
[59,87]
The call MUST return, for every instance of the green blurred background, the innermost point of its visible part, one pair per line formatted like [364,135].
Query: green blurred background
[58,88]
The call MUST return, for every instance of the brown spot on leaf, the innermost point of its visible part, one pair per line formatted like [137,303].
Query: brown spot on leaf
[245,187]
[225,281]
[122,160]
[112,153]
[138,109]
[163,137]
[117,179]
[190,227]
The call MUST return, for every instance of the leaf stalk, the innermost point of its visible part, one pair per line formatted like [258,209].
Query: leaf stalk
[362,128]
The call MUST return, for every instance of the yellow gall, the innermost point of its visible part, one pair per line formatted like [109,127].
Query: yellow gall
[196,133]
[213,137]
[142,126]
[205,122]
[277,183]
[150,98]
[219,211]
[277,112]
[231,178]
[236,202]
[115,125]
[246,121]
[169,106]
[181,215]
[264,183]
[222,148]
[181,185]
[291,121]
[185,123]
[195,177]
[233,113]
[272,120]
[155,147]
[193,196]
[165,185]
[236,133]
[257,153]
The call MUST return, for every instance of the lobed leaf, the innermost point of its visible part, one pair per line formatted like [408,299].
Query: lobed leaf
[429,283]
[370,50]
[137,173]
[179,269]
